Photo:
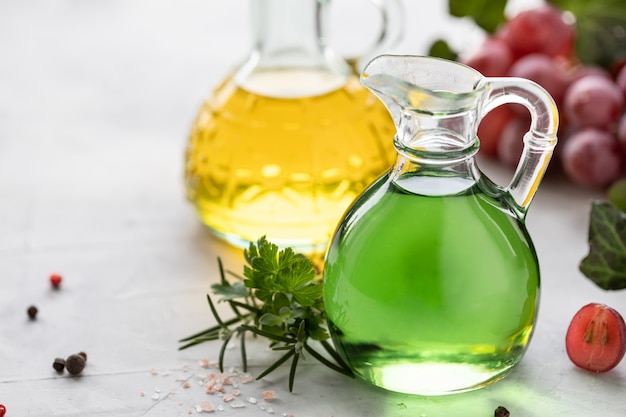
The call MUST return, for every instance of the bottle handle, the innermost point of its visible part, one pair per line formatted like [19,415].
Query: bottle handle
[390,34]
[539,141]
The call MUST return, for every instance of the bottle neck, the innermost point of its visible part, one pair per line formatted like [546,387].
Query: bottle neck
[289,33]
[290,56]
[437,164]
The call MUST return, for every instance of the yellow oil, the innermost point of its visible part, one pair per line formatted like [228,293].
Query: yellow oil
[286,168]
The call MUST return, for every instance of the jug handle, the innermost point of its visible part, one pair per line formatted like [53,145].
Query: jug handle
[390,35]
[539,141]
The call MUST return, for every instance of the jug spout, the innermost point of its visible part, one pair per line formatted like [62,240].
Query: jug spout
[428,95]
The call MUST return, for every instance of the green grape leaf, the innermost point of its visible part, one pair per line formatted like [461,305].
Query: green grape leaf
[617,194]
[605,264]
[601,29]
[441,49]
[488,14]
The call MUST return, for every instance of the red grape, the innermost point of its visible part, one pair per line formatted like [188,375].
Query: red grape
[620,80]
[491,127]
[621,132]
[544,71]
[596,338]
[512,140]
[592,157]
[585,70]
[539,30]
[493,58]
[593,101]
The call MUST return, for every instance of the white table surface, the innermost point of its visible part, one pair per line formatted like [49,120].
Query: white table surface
[96,99]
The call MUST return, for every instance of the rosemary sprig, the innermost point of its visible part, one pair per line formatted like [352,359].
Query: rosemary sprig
[278,298]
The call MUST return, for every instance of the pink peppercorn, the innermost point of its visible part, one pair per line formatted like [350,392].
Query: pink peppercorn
[55,280]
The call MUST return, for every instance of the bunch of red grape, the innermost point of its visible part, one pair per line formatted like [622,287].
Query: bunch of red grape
[538,44]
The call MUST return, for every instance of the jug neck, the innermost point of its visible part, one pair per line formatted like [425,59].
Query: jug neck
[435,163]
[290,55]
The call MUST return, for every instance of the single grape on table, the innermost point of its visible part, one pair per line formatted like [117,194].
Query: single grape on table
[596,338]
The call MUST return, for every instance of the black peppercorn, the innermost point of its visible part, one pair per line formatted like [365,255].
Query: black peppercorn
[32,312]
[83,355]
[75,364]
[501,412]
[59,364]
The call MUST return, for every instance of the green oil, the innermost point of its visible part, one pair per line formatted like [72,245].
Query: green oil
[431,295]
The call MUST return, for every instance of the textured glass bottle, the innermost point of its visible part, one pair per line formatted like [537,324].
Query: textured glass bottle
[285,144]
[431,282]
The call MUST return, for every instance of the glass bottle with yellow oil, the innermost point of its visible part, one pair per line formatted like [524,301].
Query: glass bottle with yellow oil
[286,142]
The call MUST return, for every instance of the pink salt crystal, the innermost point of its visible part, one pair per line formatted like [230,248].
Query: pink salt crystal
[186,384]
[207,407]
[142,393]
[154,371]
[268,395]
[236,392]
[228,398]
[246,378]
[252,400]
[227,381]
[204,363]
[210,389]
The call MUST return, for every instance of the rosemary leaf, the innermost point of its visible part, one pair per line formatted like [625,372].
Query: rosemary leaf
[292,371]
[276,364]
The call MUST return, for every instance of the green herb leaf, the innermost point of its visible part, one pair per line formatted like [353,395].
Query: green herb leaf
[605,264]
[281,300]
[230,291]
[281,296]
[488,14]
[308,294]
[269,319]
[601,28]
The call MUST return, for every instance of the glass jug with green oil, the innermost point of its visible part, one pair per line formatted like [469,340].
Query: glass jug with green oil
[285,144]
[431,281]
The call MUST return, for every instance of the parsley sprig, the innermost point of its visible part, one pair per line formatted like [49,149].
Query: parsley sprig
[279,297]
